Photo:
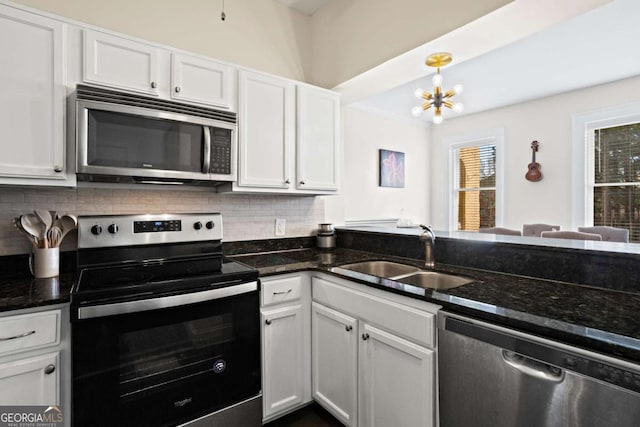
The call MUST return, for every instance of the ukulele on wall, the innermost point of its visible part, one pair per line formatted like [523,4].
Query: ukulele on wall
[534,174]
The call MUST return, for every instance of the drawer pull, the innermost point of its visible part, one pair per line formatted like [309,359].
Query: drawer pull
[348,328]
[49,369]
[26,334]
[283,292]
[268,321]
[365,336]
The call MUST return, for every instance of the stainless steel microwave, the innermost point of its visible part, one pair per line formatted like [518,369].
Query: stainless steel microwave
[128,138]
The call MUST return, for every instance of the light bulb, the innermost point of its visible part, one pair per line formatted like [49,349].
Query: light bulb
[416,111]
[458,107]
[437,119]
[437,80]
[418,93]
[458,88]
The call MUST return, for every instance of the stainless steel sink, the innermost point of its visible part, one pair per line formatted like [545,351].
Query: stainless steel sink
[384,269]
[408,274]
[434,280]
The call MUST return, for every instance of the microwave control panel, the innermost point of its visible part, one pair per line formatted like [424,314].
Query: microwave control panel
[220,151]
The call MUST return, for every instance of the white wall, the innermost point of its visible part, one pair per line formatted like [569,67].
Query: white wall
[260,34]
[547,120]
[361,198]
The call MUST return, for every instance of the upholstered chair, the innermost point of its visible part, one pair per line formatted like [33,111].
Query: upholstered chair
[575,235]
[500,230]
[534,230]
[609,234]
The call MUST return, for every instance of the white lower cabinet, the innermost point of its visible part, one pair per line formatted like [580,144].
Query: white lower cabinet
[396,381]
[286,378]
[334,362]
[383,375]
[31,381]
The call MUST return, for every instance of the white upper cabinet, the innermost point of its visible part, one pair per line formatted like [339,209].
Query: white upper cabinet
[318,139]
[120,63]
[32,105]
[201,81]
[266,131]
[289,137]
[131,65]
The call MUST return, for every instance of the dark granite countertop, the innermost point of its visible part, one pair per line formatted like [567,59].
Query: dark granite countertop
[19,293]
[601,320]
[597,319]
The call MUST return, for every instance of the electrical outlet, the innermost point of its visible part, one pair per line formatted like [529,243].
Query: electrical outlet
[281,226]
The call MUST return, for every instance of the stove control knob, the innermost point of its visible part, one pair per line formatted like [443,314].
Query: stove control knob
[113,229]
[96,230]
[197,225]
[210,225]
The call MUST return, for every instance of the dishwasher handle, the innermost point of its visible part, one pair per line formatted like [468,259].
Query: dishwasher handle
[532,367]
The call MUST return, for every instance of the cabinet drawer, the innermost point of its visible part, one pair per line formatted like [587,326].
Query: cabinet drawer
[411,323]
[281,290]
[29,331]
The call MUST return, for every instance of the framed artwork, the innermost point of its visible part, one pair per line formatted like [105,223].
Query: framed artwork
[391,169]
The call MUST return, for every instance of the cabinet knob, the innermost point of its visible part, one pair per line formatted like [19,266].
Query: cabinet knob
[49,369]
[288,181]
[177,89]
[348,328]
[302,182]
[57,168]
[154,85]
[268,321]
[365,336]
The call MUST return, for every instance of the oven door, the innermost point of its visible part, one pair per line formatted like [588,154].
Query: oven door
[166,366]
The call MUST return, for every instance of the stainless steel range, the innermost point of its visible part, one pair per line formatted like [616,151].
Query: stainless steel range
[165,330]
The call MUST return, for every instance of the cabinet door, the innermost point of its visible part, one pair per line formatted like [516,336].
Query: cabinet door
[334,358]
[282,359]
[266,131]
[318,139]
[33,97]
[201,81]
[33,381]
[396,381]
[120,63]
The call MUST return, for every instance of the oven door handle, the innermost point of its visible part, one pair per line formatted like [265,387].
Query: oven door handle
[104,310]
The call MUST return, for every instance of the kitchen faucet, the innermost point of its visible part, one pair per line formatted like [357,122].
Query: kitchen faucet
[429,239]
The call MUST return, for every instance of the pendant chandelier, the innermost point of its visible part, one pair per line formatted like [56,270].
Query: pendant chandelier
[438,98]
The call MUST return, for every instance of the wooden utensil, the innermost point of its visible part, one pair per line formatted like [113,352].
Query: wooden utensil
[45,217]
[18,224]
[66,224]
[33,226]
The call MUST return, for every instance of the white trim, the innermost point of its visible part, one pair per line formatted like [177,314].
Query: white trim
[583,125]
[491,136]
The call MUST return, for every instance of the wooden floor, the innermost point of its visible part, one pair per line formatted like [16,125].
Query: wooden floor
[309,416]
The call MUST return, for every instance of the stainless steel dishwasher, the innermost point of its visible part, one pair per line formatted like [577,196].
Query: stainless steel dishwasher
[490,376]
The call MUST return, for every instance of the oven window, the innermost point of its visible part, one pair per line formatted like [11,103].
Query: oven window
[128,141]
[168,353]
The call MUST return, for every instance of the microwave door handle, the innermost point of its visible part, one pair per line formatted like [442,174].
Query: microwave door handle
[206,165]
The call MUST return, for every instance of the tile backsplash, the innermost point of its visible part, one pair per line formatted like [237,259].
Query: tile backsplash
[245,217]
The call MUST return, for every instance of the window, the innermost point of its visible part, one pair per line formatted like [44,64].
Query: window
[609,141]
[615,177]
[476,181]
